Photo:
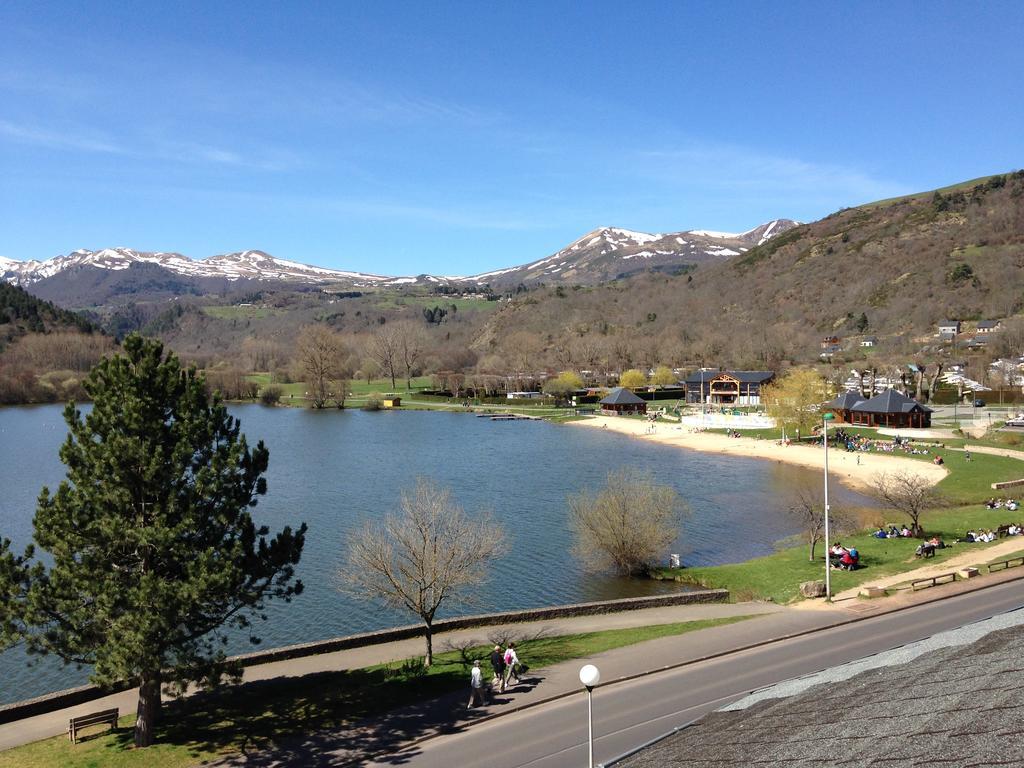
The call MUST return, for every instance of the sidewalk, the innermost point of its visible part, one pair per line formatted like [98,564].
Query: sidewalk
[56,722]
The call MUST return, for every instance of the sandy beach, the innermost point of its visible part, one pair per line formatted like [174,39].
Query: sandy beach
[842,466]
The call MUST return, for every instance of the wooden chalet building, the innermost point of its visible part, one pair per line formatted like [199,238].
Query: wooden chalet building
[727,387]
[886,409]
[620,400]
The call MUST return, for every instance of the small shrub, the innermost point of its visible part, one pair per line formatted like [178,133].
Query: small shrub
[271,394]
[373,403]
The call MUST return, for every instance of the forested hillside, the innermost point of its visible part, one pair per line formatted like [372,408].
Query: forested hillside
[44,350]
[891,269]
[21,312]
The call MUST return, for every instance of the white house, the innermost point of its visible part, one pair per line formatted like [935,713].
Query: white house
[988,326]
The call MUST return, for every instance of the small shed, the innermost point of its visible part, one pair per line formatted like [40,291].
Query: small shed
[391,401]
[891,409]
[620,400]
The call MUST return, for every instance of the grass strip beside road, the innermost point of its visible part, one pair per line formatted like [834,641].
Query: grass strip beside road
[257,715]
[778,576]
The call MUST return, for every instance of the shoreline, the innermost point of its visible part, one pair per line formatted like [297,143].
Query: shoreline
[842,465]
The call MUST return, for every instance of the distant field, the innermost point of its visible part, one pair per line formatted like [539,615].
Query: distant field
[357,387]
[239,312]
[430,301]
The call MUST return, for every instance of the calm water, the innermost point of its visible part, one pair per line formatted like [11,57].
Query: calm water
[335,469]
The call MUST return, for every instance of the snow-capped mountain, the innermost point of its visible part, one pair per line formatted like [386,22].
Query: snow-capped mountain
[610,253]
[85,277]
[252,265]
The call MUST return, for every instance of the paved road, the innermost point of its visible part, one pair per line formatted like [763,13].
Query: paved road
[628,714]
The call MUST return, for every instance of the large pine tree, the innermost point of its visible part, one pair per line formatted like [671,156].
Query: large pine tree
[153,552]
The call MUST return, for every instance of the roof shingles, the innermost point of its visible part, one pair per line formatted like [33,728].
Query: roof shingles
[958,706]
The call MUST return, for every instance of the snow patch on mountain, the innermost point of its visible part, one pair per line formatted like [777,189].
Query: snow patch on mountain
[712,233]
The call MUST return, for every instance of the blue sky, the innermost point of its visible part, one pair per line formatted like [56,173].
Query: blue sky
[455,138]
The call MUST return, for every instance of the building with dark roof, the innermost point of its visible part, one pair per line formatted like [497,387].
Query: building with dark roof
[988,326]
[957,706]
[620,400]
[890,409]
[841,406]
[727,387]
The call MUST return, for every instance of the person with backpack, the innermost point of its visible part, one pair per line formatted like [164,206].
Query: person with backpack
[511,664]
[498,665]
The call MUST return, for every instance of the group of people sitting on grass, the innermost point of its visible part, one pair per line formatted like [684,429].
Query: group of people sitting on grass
[892,533]
[843,558]
[854,442]
[1010,504]
[980,536]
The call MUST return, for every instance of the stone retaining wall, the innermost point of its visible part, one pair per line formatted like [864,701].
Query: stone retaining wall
[1007,484]
[70,697]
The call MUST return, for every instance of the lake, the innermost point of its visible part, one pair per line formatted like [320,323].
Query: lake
[335,469]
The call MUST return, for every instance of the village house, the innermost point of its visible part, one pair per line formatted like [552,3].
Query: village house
[947,327]
[726,387]
[832,349]
[869,341]
[988,326]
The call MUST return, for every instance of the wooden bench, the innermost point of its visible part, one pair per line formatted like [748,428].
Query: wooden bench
[1002,565]
[942,578]
[96,718]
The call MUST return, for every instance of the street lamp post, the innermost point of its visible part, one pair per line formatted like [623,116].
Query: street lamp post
[590,676]
[825,419]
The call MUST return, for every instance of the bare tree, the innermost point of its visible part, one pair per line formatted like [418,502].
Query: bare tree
[385,350]
[626,526]
[320,355]
[411,343]
[369,369]
[908,493]
[806,507]
[934,380]
[427,553]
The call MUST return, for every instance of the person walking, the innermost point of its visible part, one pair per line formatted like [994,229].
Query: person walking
[511,664]
[498,665]
[476,686]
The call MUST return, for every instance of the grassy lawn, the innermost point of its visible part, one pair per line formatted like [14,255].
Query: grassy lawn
[778,576]
[257,715]
[240,313]
[972,480]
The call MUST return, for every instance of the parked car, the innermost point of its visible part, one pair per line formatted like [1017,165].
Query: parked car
[979,403]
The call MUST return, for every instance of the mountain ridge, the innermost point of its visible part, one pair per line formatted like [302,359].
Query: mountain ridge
[600,255]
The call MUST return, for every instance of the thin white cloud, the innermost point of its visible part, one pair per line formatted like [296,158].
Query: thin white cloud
[59,139]
[185,152]
[741,169]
